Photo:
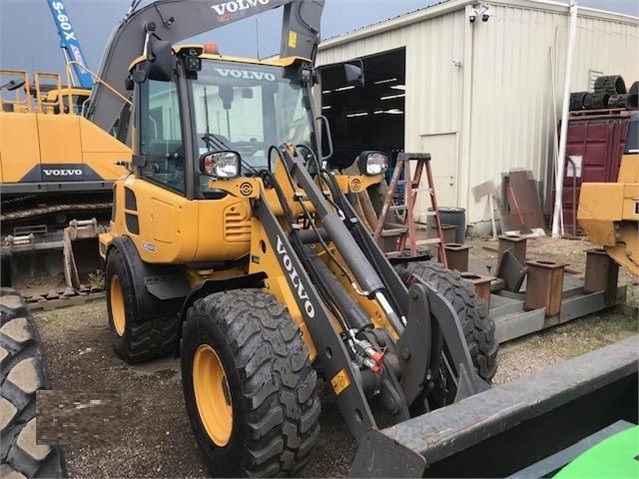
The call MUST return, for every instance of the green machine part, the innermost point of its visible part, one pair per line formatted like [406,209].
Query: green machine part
[615,457]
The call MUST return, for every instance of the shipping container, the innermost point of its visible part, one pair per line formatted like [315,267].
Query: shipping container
[595,146]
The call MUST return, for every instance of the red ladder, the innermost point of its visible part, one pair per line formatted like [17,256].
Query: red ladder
[406,230]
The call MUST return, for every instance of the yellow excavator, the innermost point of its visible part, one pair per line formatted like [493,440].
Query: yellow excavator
[56,167]
[609,212]
[232,242]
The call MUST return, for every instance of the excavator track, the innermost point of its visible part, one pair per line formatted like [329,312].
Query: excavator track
[69,209]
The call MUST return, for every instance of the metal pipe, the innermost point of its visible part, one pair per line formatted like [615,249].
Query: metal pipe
[557,231]
[395,321]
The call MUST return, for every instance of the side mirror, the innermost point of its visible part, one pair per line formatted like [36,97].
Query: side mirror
[161,62]
[354,73]
[349,73]
[12,85]
[223,164]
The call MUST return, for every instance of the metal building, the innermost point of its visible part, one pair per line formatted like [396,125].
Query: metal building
[482,97]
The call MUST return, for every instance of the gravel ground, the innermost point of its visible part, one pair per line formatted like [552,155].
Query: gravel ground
[153,438]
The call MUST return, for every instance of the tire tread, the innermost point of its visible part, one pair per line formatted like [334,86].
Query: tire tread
[24,355]
[279,384]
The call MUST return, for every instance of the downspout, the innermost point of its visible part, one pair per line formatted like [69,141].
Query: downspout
[463,196]
[557,231]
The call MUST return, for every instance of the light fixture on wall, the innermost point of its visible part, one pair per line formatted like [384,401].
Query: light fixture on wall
[485,13]
[480,11]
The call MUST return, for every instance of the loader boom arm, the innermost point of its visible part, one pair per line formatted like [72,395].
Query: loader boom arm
[176,20]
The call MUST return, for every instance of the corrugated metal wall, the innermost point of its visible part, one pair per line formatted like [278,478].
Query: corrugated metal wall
[434,81]
[512,113]
[512,122]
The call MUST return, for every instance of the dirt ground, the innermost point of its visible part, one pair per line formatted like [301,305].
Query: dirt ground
[152,437]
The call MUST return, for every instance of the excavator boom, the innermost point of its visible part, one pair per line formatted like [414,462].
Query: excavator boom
[176,20]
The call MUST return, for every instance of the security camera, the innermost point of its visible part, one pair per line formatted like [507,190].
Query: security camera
[485,14]
[473,15]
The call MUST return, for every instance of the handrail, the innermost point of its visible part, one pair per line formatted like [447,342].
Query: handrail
[97,79]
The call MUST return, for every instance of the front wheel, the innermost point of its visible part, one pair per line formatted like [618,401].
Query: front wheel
[478,327]
[249,389]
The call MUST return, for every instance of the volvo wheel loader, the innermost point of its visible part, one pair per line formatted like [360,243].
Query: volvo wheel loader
[232,243]
[609,212]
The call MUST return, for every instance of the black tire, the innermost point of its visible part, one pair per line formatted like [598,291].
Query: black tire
[272,386]
[23,373]
[577,100]
[617,101]
[478,327]
[140,338]
[611,84]
[596,101]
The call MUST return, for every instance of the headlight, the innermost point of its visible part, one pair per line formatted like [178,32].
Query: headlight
[373,163]
[221,164]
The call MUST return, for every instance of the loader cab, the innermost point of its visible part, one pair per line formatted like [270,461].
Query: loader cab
[212,103]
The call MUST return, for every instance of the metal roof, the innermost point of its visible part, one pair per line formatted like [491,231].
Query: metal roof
[450,6]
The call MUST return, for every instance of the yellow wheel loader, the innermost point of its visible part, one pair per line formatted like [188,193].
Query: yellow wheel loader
[609,212]
[232,243]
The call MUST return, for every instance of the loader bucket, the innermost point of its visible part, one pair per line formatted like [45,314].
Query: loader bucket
[42,261]
[528,428]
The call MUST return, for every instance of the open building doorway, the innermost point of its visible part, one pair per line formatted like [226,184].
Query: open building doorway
[370,117]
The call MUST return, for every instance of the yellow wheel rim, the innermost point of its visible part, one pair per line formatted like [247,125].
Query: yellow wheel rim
[117,305]
[212,395]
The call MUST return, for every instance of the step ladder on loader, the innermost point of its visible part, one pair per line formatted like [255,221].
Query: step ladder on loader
[405,231]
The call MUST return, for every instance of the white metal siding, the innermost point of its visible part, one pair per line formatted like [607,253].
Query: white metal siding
[511,124]
[512,113]
[434,80]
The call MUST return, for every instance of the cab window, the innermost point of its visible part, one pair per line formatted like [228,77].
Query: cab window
[161,137]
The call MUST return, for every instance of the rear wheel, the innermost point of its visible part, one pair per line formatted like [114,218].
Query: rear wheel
[135,338]
[249,389]
[23,373]
[478,327]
